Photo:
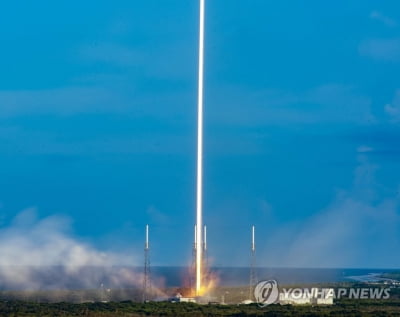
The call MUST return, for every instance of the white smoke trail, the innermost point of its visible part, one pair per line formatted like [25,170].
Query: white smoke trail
[199,207]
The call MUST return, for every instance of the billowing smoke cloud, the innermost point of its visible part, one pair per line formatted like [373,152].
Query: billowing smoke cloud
[358,229]
[42,254]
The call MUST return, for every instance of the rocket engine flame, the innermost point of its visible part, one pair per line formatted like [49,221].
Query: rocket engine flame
[210,282]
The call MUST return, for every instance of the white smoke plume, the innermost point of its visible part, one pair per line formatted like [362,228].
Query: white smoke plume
[359,228]
[42,254]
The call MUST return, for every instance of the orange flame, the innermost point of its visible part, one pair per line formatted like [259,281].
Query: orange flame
[209,282]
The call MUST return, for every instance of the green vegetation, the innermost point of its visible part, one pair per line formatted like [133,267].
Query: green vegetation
[344,308]
[93,303]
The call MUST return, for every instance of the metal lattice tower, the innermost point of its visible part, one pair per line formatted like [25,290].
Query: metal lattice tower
[253,273]
[146,274]
[192,280]
[205,251]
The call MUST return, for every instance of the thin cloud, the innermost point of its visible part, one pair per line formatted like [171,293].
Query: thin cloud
[61,101]
[356,224]
[112,53]
[329,103]
[156,216]
[379,16]
[381,49]
[393,109]
[364,149]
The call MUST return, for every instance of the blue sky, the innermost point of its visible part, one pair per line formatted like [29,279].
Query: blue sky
[302,113]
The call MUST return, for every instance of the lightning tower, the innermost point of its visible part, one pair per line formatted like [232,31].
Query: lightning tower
[146,274]
[205,251]
[253,274]
[199,194]
[192,280]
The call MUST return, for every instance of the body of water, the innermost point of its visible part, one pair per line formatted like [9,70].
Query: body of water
[234,276]
[58,277]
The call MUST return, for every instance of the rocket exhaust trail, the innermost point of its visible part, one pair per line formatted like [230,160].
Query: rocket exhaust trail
[199,211]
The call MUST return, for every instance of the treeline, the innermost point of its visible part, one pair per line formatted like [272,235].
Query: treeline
[165,309]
